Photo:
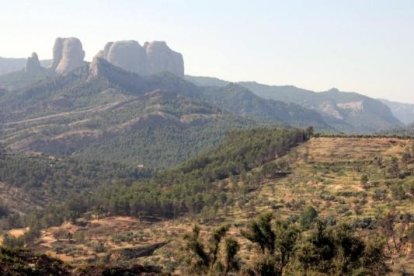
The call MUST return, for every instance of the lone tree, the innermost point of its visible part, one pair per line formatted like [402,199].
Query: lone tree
[277,244]
[209,259]
[260,232]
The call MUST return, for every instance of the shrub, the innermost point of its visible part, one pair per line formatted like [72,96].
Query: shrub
[397,191]
[308,216]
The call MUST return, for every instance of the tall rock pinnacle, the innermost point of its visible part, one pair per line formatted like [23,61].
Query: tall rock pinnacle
[33,64]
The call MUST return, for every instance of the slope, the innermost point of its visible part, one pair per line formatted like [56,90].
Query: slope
[243,102]
[345,179]
[30,182]
[347,110]
[403,111]
[343,111]
[20,79]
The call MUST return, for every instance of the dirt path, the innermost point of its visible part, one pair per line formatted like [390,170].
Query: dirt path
[89,110]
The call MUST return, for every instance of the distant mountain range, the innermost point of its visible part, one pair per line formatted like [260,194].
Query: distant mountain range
[403,111]
[344,111]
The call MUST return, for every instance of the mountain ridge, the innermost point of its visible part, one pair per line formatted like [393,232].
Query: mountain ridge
[347,111]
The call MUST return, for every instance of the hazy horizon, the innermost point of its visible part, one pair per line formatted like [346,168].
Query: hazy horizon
[364,47]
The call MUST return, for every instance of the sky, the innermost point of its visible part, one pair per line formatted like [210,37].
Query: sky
[365,46]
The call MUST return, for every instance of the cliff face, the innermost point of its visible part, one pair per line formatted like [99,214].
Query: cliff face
[154,57]
[67,55]
[128,55]
[161,58]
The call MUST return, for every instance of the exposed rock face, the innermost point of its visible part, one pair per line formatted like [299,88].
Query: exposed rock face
[95,67]
[67,55]
[33,64]
[153,58]
[128,55]
[57,52]
[161,58]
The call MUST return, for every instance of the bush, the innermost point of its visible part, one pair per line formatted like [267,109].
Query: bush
[397,191]
[98,247]
[308,216]
[12,242]
[379,194]
[410,188]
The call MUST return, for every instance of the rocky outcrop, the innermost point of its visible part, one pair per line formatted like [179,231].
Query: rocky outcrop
[128,55]
[161,58]
[67,55]
[155,57]
[33,64]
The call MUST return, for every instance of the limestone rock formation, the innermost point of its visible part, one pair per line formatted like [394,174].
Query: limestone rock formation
[153,58]
[33,64]
[128,55]
[67,55]
[57,53]
[161,58]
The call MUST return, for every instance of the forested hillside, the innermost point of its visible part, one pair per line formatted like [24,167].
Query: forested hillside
[30,182]
[243,102]
[191,187]
[101,112]
[188,189]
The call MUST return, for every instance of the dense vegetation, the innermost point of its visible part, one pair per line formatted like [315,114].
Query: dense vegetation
[187,189]
[43,180]
[191,187]
[61,177]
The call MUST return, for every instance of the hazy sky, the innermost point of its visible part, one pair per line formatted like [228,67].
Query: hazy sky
[355,45]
